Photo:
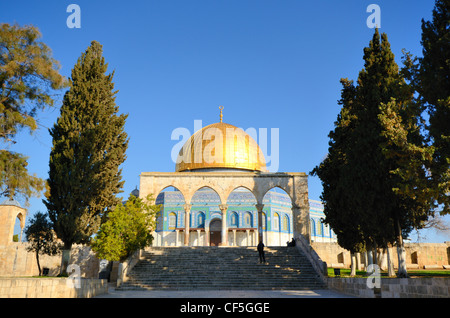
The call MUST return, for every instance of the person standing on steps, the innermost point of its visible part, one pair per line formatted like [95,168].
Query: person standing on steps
[262,258]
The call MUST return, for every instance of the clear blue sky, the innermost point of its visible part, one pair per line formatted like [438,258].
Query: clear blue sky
[271,64]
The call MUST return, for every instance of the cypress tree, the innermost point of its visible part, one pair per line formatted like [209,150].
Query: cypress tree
[390,150]
[339,211]
[89,145]
[433,85]
[368,175]
[332,171]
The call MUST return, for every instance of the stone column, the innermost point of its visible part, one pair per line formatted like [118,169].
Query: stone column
[176,237]
[198,237]
[234,237]
[223,208]
[207,234]
[260,207]
[187,218]
[300,216]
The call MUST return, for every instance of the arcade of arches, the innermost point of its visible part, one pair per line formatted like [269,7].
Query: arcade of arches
[223,184]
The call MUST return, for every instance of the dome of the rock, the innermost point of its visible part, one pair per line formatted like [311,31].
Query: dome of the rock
[220,146]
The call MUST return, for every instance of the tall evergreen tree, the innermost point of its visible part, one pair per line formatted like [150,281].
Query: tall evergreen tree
[89,145]
[332,172]
[433,83]
[380,83]
[339,212]
[368,169]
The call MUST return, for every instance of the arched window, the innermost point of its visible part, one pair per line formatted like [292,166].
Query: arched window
[285,225]
[276,222]
[17,234]
[234,220]
[172,221]
[327,230]
[248,219]
[319,230]
[313,227]
[201,220]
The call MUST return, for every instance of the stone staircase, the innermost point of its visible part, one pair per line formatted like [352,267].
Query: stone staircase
[225,268]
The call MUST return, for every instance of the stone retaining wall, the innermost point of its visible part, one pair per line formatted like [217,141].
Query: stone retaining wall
[424,287]
[418,255]
[15,287]
[16,261]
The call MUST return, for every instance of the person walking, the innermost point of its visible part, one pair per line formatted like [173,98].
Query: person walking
[262,258]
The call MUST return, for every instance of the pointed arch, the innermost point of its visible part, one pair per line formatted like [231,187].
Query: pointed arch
[277,189]
[169,188]
[243,189]
[206,194]
[17,233]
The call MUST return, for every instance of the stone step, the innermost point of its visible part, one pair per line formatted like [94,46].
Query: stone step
[244,266]
[224,277]
[267,280]
[219,287]
[221,284]
[229,272]
[223,272]
[221,268]
[231,287]
[206,283]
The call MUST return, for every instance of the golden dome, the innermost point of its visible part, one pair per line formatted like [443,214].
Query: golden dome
[220,146]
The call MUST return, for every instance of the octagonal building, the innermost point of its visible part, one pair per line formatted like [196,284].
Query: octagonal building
[222,147]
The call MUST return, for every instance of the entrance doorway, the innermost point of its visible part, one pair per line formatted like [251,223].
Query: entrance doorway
[215,232]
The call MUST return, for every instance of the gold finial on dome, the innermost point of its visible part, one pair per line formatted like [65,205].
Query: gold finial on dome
[221,115]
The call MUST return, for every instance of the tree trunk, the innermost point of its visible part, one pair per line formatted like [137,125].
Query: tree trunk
[401,261]
[375,254]
[353,266]
[391,272]
[358,261]
[65,259]
[401,253]
[38,264]
[369,258]
[382,259]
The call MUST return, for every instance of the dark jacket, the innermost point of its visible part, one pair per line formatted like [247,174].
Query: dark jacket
[260,247]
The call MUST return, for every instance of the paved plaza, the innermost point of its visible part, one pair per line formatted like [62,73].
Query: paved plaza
[322,293]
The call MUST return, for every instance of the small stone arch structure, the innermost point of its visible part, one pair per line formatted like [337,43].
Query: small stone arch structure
[295,184]
[10,210]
